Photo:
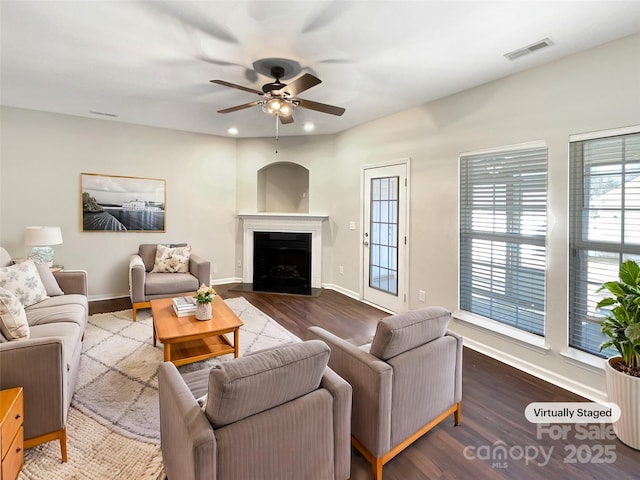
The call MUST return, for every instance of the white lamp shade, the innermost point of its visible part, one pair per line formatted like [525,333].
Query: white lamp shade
[42,236]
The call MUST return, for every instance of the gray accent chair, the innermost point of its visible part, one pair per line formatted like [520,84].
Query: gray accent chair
[145,285]
[407,381]
[278,413]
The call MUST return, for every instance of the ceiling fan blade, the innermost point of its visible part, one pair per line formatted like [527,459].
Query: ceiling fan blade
[284,120]
[239,87]
[299,85]
[320,107]
[240,107]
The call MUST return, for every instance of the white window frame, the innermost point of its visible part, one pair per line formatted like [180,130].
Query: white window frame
[581,348]
[504,329]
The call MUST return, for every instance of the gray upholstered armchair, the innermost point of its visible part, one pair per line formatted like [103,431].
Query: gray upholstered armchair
[145,284]
[279,413]
[407,381]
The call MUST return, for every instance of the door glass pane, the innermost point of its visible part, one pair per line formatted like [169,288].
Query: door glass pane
[383,260]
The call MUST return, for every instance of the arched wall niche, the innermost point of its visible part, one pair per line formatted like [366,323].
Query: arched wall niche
[283,187]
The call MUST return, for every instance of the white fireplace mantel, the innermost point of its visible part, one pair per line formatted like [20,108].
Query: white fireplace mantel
[282,222]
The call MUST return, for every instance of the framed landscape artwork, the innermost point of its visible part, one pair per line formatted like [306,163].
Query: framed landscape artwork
[122,204]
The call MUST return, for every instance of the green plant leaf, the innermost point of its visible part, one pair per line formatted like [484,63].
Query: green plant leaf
[633,332]
[630,273]
[615,288]
[605,302]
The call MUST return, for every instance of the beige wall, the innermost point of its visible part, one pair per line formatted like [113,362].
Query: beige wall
[43,155]
[595,90]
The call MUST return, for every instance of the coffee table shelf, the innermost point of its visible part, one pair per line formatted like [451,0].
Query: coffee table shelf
[197,350]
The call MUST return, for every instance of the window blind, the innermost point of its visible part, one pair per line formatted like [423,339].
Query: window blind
[604,228]
[503,226]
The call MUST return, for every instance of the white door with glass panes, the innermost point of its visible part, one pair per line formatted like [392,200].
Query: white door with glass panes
[385,236]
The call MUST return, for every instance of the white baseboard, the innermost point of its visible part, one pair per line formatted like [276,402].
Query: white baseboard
[537,371]
[342,290]
[222,281]
[107,296]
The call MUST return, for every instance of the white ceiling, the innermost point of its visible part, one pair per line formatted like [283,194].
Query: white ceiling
[150,62]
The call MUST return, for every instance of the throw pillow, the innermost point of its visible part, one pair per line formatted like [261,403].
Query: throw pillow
[172,259]
[48,280]
[23,280]
[13,319]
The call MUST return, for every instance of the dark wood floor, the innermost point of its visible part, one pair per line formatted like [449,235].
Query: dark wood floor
[494,399]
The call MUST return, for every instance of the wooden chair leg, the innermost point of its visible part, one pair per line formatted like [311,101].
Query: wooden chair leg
[377,468]
[135,306]
[456,415]
[63,444]
[60,435]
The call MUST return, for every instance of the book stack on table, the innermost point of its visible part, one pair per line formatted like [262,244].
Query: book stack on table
[184,306]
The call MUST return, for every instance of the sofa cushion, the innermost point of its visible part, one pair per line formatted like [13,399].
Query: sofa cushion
[48,280]
[398,333]
[147,252]
[163,284]
[68,332]
[249,385]
[13,319]
[172,259]
[55,310]
[23,280]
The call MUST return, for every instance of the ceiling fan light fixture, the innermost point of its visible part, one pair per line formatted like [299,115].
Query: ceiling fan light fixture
[274,104]
[285,109]
[277,106]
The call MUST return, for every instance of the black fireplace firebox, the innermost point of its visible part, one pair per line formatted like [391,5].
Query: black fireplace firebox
[282,262]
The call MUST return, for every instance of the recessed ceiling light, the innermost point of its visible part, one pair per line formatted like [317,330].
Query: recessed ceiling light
[309,127]
[233,131]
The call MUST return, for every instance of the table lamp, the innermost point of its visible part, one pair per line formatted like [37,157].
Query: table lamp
[41,239]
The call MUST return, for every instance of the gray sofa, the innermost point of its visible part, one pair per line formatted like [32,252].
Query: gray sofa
[46,364]
[276,414]
[146,285]
[404,383]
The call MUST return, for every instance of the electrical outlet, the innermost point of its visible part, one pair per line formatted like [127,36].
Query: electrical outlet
[341,270]
[238,263]
[421,295]
[352,225]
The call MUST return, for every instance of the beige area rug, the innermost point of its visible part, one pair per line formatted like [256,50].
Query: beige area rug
[94,451]
[114,425]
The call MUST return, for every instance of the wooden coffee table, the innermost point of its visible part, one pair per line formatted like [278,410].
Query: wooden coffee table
[187,340]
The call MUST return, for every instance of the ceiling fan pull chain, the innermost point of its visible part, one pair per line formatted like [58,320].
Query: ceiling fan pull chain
[276,117]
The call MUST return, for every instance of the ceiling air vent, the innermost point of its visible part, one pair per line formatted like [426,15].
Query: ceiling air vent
[528,49]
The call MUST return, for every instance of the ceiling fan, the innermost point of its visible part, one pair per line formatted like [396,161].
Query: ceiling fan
[280,98]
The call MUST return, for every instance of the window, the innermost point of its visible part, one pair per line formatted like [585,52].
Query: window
[604,227]
[503,227]
[383,260]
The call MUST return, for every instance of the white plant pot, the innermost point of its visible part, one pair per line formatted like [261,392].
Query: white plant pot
[624,390]
[203,311]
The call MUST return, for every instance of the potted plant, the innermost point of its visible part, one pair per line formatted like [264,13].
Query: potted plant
[622,326]
[204,297]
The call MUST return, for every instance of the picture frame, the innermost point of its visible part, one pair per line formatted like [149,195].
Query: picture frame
[113,203]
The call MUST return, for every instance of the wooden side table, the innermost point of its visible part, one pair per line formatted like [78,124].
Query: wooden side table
[12,432]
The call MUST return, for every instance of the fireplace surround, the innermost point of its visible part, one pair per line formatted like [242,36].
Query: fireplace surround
[282,223]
